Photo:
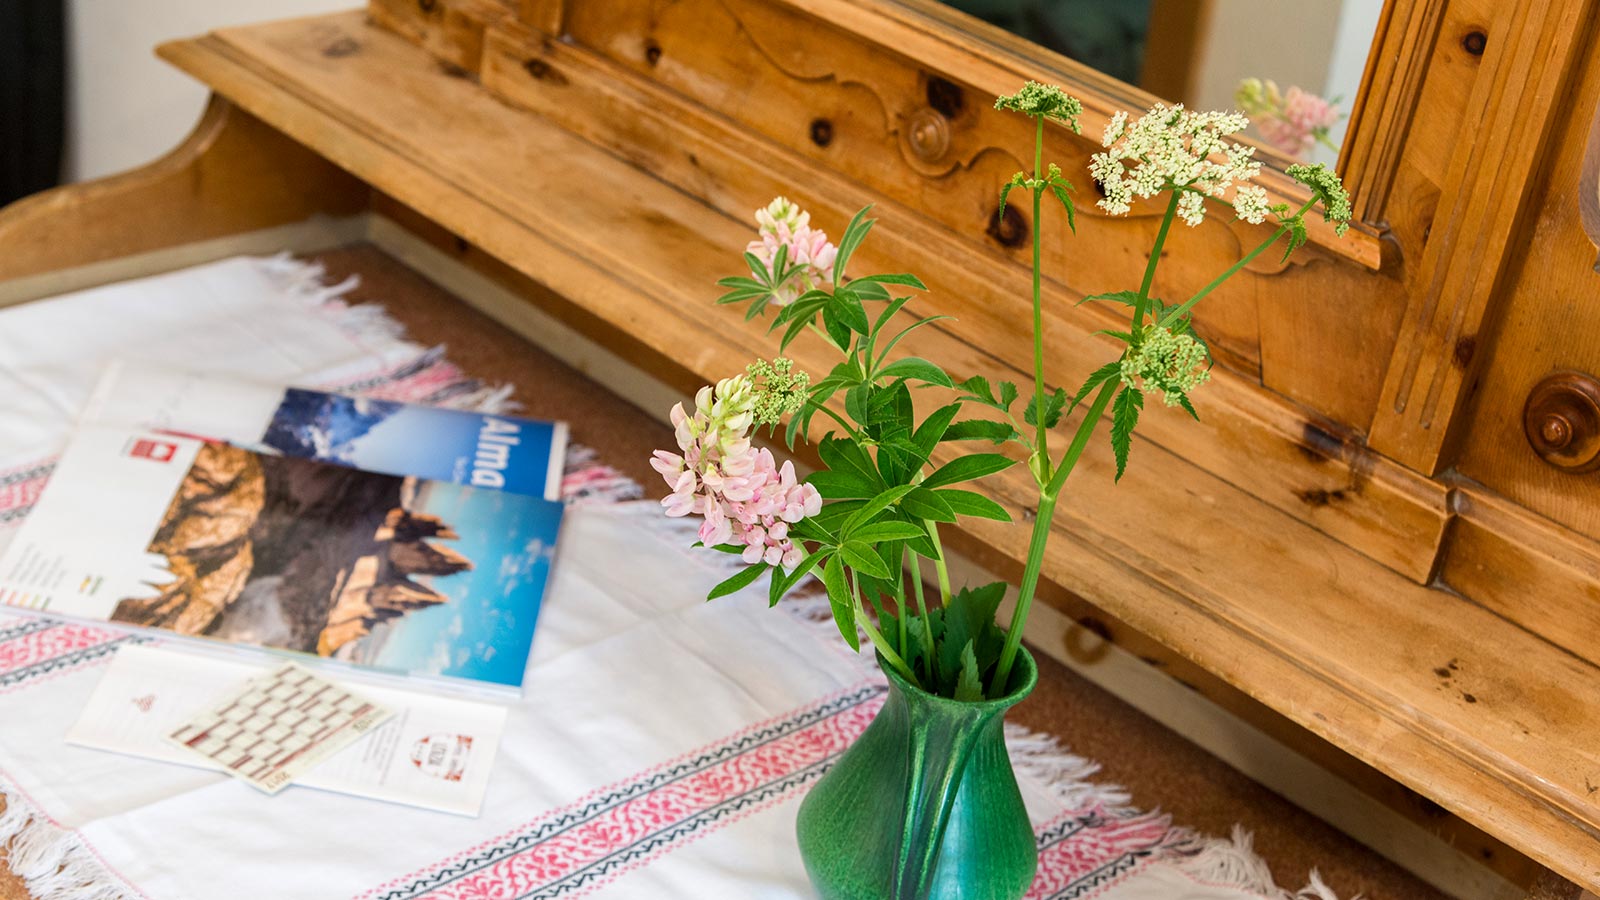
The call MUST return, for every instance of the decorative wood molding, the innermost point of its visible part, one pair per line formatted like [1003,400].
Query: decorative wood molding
[233,174]
[1390,90]
[1321,633]
[1518,96]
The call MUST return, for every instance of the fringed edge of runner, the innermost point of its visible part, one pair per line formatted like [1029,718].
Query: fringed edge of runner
[306,281]
[1232,862]
[54,863]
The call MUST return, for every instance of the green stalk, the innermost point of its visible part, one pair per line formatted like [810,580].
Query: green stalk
[849,429]
[1041,535]
[1233,270]
[938,562]
[900,601]
[922,610]
[1143,302]
[1041,449]
[895,660]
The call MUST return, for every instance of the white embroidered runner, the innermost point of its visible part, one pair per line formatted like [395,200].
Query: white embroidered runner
[661,751]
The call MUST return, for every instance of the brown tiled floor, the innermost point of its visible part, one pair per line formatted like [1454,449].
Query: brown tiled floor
[1159,767]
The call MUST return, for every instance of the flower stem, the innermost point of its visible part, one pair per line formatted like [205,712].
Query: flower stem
[922,610]
[1143,302]
[1041,535]
[1041,448]
[1234,269]
[939,565]
[895,660]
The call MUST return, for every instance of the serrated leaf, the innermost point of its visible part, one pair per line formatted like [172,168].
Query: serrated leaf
[1126,298]
[1124,418]
[969,684]
[918,368]
[1054,403]
[1096,378]
[844,608]
[1188,407]
[744,578]
[970,503]
[967,468]
[1008,394]
[977,388]
[1066,203]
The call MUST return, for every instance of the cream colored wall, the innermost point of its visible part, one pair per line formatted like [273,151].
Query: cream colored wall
[124,106]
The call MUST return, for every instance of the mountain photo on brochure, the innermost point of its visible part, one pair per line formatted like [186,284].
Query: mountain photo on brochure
[394,574]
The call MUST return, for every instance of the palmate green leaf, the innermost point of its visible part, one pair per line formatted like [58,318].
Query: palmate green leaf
[784,583]
[1126,298]
[903,278]
[883,319]
[854,234]
[744,578]
[870,290]
[969,623]
[1124,418]
[923,503]
[861,557]
[980,430]
[926,320]
[1096,378]
[837,485]
[845,455]
[886,531]
[876,505]
[967,468]
[758,268]
[1054,403]
[844,607]
[856,402]
[837,330]
[969,503]
[917,368]
[846,307]
[978,390]
[933,428]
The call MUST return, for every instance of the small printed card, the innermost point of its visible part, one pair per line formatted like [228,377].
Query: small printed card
[435,752]
[278,726]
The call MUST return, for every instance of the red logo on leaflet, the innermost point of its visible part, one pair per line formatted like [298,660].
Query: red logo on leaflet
[158,451]
[442,755]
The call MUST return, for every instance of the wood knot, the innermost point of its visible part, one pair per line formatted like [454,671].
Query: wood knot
[345,46]
[821,132]
[945,96]
[928,133]
[543,71]
[1009,230]
[652,52]
[427,6]
[1561,420]
[1474,42]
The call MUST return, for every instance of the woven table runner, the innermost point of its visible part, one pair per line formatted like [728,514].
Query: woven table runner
[661,749]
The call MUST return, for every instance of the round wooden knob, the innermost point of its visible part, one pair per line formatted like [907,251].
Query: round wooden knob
[928,133]
[1562,421]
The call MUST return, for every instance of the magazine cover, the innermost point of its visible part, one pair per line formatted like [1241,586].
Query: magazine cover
[202,539]
[494,452]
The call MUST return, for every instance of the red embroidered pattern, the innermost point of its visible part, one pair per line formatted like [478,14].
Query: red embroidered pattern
[1093,848]
[586,844]
[36,647]
[24,493]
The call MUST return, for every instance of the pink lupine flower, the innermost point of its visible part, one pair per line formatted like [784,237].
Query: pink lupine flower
[1292,120]
[744,496]
[810,255]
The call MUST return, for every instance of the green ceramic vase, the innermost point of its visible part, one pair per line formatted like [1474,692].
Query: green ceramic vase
[924,806]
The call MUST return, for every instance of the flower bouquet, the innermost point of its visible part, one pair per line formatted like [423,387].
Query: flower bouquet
[931,771]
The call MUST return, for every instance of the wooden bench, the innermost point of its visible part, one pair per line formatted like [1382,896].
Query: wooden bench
[607,177]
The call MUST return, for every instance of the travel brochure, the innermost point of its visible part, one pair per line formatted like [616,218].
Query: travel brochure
[246,522]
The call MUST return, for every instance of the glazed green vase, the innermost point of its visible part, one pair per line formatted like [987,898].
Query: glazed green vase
[924,806]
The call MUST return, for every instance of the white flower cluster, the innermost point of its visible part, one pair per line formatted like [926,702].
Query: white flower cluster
[1172,148]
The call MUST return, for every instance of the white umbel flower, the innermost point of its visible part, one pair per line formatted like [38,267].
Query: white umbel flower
[1172,147]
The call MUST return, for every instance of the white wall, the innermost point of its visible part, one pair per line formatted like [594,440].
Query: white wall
[124,106]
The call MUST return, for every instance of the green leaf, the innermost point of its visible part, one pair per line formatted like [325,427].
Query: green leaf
[977,389]
[1066,202]
[782,585]
[966,468]
[862,558]
[738,582]
[844,608]
[868,290]
[758,268]
[928,320]
[969,503]
[969,685]
[856,402]
[1054,403]
[979,430]
[918,368]
[837,485]
[1096,378]
[1188,407]
[1008,394]
[906,279]
[847,308]
[926,504]
[933,428]
[1124,418]
[874,506]
[844,455]
[1126,298]
[854,234]
[837,330]
[969,623]
[886,531]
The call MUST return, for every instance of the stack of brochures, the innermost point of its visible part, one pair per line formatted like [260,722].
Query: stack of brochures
[393,538]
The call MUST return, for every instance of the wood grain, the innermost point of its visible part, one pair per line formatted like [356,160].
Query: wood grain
[1316,630]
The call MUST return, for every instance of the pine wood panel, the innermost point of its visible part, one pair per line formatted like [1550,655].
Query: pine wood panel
[1308,626]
